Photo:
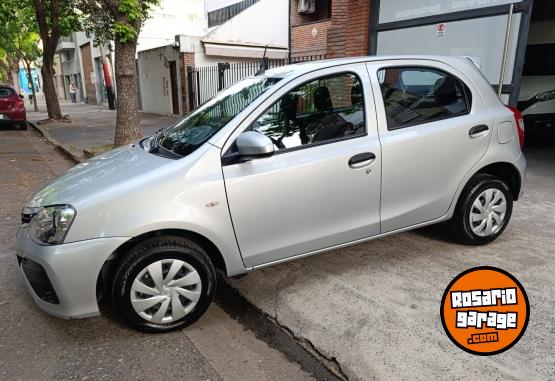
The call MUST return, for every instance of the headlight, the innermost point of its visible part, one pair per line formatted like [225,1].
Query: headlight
[50,225]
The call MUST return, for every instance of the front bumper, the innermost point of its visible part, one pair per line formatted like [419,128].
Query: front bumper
[72,270]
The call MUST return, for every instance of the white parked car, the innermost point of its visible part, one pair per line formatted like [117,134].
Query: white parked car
[536,99]
[293,162]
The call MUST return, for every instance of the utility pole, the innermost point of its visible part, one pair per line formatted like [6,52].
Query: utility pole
[107,79]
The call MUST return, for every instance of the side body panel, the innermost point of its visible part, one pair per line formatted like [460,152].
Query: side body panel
[186,194]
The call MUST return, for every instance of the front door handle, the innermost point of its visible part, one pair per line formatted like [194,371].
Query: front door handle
[362,160]
[477,131]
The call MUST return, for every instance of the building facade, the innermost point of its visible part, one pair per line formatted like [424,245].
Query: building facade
[331,28]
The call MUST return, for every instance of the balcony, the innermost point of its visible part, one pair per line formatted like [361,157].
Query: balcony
[65,44]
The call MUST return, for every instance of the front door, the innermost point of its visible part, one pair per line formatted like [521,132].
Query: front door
[322,186]
[434,127]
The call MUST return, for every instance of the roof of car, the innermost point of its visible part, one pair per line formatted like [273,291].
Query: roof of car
[308,66]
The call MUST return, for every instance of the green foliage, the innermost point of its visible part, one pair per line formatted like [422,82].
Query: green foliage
[124,32]
[18,31]
[119,20]
[130,8]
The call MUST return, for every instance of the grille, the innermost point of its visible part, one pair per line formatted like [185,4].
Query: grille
[38,279]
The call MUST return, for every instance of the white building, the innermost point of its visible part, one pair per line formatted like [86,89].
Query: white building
[231,31]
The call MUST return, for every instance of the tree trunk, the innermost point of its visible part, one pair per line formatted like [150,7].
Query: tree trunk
[6,73]
[128,127]
[14,69]
[49,89]
[33,90]
[49,30]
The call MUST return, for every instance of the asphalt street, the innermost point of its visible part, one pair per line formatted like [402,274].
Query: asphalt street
[36,346]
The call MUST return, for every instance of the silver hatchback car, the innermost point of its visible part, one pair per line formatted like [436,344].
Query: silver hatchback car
[289,163]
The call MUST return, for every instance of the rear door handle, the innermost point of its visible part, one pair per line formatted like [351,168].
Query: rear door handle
[362,160]
[478,131]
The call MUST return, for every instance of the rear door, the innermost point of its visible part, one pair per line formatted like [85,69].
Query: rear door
[433,127]
[322,186]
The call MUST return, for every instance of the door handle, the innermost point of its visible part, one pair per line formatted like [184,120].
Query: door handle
[361,160]
[478,131]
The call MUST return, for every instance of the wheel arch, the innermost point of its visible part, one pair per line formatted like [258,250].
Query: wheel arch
[501,169]
[507,172]
[107,272]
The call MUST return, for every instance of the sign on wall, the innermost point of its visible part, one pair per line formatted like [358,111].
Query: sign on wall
[398,10]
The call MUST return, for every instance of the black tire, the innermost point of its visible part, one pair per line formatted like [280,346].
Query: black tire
[22,126]
[460,223]
[148,252]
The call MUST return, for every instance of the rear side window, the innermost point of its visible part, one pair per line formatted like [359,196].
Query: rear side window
[5,92]
[415,95]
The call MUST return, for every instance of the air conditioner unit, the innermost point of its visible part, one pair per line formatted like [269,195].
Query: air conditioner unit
[307,6]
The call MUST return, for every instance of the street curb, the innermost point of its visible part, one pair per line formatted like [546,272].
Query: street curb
[277,335]
[59,146]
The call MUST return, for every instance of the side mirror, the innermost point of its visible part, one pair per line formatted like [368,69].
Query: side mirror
[22,96]
[250,145]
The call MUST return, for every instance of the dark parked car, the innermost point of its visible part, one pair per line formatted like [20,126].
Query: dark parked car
[12,108]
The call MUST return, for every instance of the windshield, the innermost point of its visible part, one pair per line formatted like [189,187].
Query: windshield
[199,126]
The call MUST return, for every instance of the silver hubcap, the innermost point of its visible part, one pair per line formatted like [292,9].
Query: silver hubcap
[166,291]
[488,212]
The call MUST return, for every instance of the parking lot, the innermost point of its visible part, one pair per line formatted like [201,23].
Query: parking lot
[367,311]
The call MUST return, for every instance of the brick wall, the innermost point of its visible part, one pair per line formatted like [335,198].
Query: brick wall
[357,28]
[309,39]
[322,13]
[187,59]
[344,35]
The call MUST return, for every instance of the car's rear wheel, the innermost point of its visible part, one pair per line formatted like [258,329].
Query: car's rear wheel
[163,284]
[483,211]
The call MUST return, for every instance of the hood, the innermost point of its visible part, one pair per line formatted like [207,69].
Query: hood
[98,175]
[534,85]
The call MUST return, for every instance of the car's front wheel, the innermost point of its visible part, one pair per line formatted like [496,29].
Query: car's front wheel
[483,211]
[163,284]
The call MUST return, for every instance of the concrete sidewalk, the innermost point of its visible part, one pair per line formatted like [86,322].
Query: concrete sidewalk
[90,126]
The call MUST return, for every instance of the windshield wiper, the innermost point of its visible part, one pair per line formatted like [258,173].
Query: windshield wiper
[154,142]
[157,149]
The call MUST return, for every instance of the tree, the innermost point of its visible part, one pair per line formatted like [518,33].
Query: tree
[19,39]
[5,71]
[120,21]
[55,18]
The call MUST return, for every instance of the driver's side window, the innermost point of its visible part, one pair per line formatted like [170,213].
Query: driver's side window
[322,110]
